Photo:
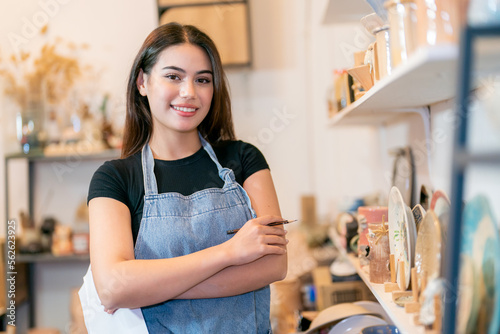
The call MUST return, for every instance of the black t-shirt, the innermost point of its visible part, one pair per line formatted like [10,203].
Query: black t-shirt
[122,179]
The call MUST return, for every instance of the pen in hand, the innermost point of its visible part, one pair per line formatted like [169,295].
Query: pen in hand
[282,222]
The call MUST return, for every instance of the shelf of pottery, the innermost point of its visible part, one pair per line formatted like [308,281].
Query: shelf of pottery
[397,252]
[399,249]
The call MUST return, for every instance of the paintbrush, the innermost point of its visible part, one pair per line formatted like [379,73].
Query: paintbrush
[282,222]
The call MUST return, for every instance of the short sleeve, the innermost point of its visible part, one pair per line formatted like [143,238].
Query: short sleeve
[252,160]
[107,182]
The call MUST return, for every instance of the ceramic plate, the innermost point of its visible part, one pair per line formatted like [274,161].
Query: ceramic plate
[481,243]
[440,204]
[425,196]
[399,235]
[418,214]
[356,323]
[403,174]
[428,249]
[467,305]
[412,232]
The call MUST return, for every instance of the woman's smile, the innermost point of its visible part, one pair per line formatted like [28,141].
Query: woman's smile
[185,110]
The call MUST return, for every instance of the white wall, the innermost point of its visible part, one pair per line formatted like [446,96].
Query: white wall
[346,159]
[269,108]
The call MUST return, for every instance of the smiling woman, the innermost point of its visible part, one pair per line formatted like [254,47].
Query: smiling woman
[165,208]
[179,90]
[217,126]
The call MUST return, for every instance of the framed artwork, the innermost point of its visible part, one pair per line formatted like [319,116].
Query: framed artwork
[226,22]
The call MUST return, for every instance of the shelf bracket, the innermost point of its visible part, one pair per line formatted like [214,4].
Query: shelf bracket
[425,114]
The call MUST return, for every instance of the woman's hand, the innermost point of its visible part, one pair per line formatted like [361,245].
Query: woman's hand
[255,239]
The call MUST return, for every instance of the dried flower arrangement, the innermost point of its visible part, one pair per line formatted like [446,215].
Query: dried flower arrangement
[45,82]
[45,78]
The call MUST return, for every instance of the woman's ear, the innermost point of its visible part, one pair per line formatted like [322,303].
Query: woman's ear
[141,82]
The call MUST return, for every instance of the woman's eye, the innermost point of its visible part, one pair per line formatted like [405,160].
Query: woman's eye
[204,80]
[172,76]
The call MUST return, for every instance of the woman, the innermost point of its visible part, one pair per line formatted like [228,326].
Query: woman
[159,215]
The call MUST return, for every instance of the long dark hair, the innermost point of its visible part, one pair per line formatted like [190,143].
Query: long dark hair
[217,125]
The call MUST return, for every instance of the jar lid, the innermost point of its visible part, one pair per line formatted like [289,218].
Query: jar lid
[390,3]
[379,29]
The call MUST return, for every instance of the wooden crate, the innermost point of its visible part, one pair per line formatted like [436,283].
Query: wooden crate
[329,293]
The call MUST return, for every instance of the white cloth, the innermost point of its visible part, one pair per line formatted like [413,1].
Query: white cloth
[97,321]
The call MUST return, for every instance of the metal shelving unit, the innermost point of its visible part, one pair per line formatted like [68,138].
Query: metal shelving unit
[30,260]
[462,159]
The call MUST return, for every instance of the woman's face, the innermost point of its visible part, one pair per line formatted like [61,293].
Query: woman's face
[179,88]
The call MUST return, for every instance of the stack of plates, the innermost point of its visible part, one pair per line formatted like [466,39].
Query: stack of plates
[428,250]
[402,236]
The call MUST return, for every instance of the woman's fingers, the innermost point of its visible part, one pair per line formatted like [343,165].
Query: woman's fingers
[108,311]
[256,239]
[275,230]
[274,240]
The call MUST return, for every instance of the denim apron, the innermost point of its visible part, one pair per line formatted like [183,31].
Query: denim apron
[174,225]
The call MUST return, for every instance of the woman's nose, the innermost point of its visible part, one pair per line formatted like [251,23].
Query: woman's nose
[187,89]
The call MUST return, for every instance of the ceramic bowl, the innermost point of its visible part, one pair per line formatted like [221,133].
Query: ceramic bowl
[382,329]
[334,314]
[374,308]
[356,323]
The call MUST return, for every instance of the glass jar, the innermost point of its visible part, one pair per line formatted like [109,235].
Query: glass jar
[402,16]
[383,52]
[30,127]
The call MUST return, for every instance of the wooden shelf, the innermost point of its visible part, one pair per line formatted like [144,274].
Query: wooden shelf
[402,320]
[428,77]
[49,257]
[39,156]
[399,317]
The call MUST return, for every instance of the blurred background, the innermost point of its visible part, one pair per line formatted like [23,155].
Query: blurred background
[63,72]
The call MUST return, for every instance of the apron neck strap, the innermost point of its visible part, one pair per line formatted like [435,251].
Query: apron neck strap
[223,172]
[148,163]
